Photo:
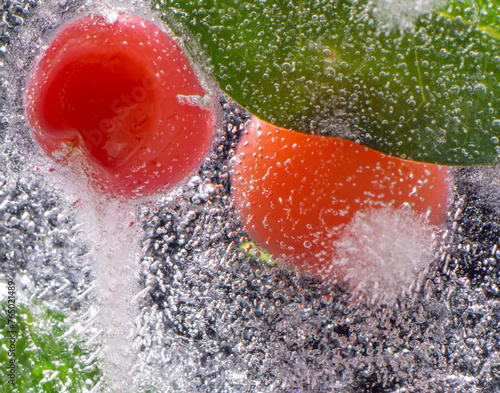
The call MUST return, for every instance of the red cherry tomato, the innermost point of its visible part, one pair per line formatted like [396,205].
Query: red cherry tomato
[296,192]
[121,102]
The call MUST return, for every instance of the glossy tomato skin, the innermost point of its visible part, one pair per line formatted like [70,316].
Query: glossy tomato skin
[120,102]
[296,192]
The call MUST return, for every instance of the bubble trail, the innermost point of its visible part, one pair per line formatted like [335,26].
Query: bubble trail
[116,257]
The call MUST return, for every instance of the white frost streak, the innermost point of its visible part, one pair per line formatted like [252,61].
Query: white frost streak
[195,100]
[386,253]
[402,14]
[116,266]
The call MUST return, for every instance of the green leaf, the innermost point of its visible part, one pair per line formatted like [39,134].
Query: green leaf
[48,358]
[253,251]
[421,84]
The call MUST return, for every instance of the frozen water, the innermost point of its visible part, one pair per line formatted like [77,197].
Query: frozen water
[402,14]
[115,260]
[201,316]
[391,248]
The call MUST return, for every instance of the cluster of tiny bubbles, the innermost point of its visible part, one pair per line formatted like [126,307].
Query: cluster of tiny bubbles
[39,237]
[12,15]
[213,319]
[475,232]
[216,319]
[42,250]
[393,250]
[402,14]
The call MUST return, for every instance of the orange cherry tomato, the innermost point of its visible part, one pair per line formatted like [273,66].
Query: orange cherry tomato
[295,193]
[120,101]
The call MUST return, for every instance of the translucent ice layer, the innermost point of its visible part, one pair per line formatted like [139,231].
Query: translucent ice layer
[208,316]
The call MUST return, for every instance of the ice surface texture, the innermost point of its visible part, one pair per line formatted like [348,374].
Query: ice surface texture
[416,79]
[215,320]
[232,324]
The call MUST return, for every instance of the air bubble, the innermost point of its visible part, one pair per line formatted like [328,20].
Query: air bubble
[454,90]
[480,90]
[495,125]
